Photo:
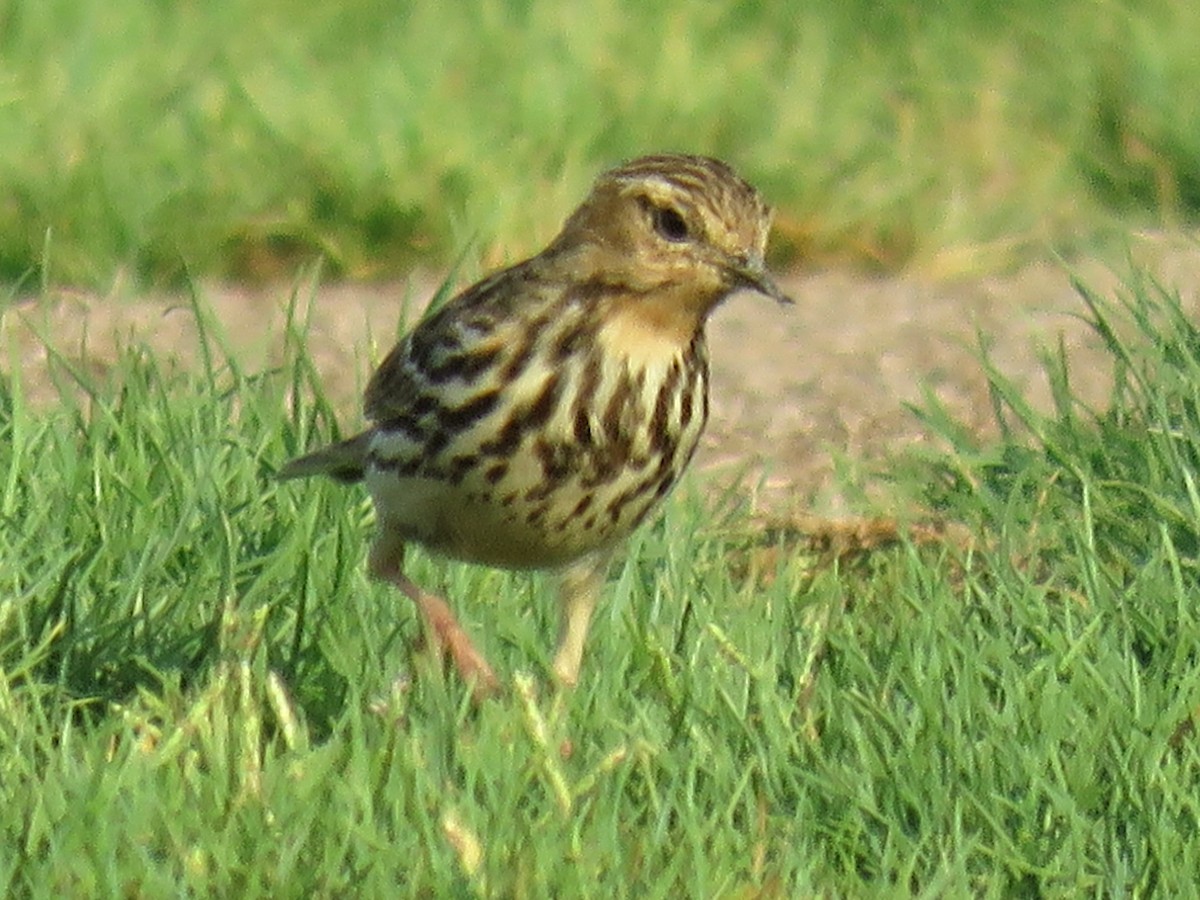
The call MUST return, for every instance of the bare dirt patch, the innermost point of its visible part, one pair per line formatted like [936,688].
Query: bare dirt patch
[792,388]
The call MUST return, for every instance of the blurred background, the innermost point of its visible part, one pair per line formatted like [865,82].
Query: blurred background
[239,140]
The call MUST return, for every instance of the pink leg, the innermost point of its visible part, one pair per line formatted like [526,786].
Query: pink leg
[442,628]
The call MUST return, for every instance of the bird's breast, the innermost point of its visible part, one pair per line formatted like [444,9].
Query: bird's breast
[566,458]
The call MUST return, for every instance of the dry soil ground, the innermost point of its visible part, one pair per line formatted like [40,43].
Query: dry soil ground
[792,388]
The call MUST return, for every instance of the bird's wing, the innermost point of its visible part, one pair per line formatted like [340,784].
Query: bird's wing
[439,363]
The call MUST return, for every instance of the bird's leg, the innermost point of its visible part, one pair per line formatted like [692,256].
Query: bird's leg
[579,588]
[442,629]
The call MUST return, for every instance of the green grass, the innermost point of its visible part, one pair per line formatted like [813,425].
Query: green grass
[197,688]
[238,138]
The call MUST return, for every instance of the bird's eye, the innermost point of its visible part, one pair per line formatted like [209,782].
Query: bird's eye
[670,224]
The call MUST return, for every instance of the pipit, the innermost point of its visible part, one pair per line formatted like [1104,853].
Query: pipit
[534,420]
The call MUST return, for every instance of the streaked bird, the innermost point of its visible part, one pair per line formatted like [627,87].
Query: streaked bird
[534,420]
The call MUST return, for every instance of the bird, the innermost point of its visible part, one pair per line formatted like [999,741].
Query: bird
[535,419]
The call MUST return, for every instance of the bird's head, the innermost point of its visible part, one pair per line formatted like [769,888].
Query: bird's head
[676,229]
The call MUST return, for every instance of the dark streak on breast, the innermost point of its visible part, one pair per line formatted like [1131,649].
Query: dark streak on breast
[589,383]
[660,427]
[518,362]
[537,514]
[459,466]
[525,419]
[687,402]
[543,406]
[506,441]
[558,460]
[574,338]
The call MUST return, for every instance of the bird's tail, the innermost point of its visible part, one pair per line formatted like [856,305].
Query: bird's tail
[344,461]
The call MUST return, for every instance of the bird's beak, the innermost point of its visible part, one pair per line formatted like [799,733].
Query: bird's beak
[752,274]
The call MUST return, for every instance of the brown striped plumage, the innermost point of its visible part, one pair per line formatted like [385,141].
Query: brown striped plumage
[539,416]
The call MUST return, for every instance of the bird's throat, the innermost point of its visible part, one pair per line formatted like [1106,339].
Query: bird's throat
[650,329]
